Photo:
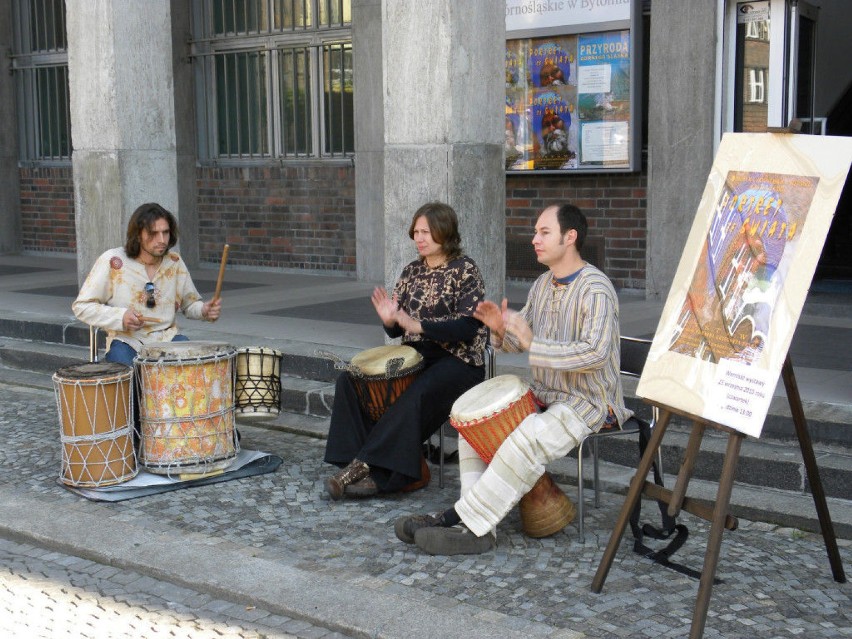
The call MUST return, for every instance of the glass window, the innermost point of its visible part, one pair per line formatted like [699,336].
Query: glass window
[40,66]
[756,85]
[273,78]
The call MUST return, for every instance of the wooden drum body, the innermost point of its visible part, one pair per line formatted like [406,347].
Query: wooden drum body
[258,381]
[485,415]
[186,407]
[95,405]
[381,375]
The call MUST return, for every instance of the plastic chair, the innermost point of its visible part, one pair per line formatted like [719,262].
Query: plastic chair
[490,371]
[634,352]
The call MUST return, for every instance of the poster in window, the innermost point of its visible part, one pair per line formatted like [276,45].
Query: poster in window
[603,86]
[744,275]
[568,102]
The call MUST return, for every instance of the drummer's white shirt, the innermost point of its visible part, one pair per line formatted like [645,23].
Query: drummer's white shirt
[117,282]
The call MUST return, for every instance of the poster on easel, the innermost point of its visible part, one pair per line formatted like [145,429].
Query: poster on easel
[744,275]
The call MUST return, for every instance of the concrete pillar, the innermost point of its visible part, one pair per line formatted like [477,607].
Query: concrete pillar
[10,197]
[369,139]
[441,126]
[123,122]
[680,129]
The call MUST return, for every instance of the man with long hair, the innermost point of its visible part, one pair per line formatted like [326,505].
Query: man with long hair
[134,291]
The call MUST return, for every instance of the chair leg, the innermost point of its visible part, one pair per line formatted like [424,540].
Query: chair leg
[596,472]
[441,457]
[581,505]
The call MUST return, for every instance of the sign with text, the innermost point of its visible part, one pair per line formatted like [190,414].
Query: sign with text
[539,14]
[744,275]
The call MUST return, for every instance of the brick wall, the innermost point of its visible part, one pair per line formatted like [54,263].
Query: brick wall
[47,209]
[280,217]
[304,216]
[615,205]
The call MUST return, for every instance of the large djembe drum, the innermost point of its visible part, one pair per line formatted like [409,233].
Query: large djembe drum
[186,407]
[484,416]
[95,405]
[380,375]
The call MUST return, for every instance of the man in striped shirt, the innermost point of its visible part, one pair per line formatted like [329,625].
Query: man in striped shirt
[569,326]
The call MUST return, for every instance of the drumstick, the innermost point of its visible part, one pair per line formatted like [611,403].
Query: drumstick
[221,272]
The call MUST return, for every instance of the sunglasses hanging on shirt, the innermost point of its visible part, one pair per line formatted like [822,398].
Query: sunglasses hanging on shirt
[149,291]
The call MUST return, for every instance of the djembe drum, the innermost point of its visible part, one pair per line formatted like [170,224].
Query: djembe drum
[95,406]
[257,390]
[380,375]
[484,416]
[186,407]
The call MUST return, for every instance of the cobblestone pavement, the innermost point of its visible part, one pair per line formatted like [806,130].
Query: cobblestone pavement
[775,582]
[49,594]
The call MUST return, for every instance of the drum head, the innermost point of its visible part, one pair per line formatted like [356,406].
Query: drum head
[179,351]
[259,350]
[92,371]
[374,361]
[490,397]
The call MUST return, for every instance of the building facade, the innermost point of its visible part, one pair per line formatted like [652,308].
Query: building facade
[273,107]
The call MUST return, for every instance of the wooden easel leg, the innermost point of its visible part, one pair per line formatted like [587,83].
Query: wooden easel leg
[634,493]
[811,468]
[686,468]
[714,543]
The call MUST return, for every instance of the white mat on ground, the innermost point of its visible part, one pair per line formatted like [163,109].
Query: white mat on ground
[245,464]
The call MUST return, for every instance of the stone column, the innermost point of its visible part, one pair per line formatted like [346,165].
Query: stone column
[123,123]
[10,199]
[680,129]
[441,124]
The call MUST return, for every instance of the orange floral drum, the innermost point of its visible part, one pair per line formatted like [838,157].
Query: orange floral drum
[96,424]
[186,407]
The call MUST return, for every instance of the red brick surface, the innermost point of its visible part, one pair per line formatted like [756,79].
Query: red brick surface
[303,217]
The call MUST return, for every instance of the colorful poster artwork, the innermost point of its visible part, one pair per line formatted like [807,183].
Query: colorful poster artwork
[743,278]
[757,223]
[550,64]
[603,88]
[553,131]
[541,97]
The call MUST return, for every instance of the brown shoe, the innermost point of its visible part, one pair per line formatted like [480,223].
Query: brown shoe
[425,478]
[337,483]
[363,488]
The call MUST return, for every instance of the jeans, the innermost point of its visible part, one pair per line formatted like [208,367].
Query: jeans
[123,353]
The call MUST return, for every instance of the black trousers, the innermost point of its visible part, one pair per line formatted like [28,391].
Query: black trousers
[393,446]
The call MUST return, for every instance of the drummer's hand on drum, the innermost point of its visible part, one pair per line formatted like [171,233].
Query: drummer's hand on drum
[132,321]
[212,310]
[385,306]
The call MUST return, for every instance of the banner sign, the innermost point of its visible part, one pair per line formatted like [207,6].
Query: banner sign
[539,14]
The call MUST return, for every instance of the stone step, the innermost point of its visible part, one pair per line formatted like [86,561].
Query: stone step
[306,406]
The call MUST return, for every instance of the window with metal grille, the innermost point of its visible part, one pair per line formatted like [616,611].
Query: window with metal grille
[273,79]
[40,67]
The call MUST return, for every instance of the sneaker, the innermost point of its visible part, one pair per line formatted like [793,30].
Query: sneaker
[363,488]
[455,540]
[405,527]
[355,471]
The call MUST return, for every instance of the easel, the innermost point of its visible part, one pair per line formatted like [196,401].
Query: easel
[716,513]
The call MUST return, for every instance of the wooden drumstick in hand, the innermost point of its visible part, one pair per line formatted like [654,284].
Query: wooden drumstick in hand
[221,272]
